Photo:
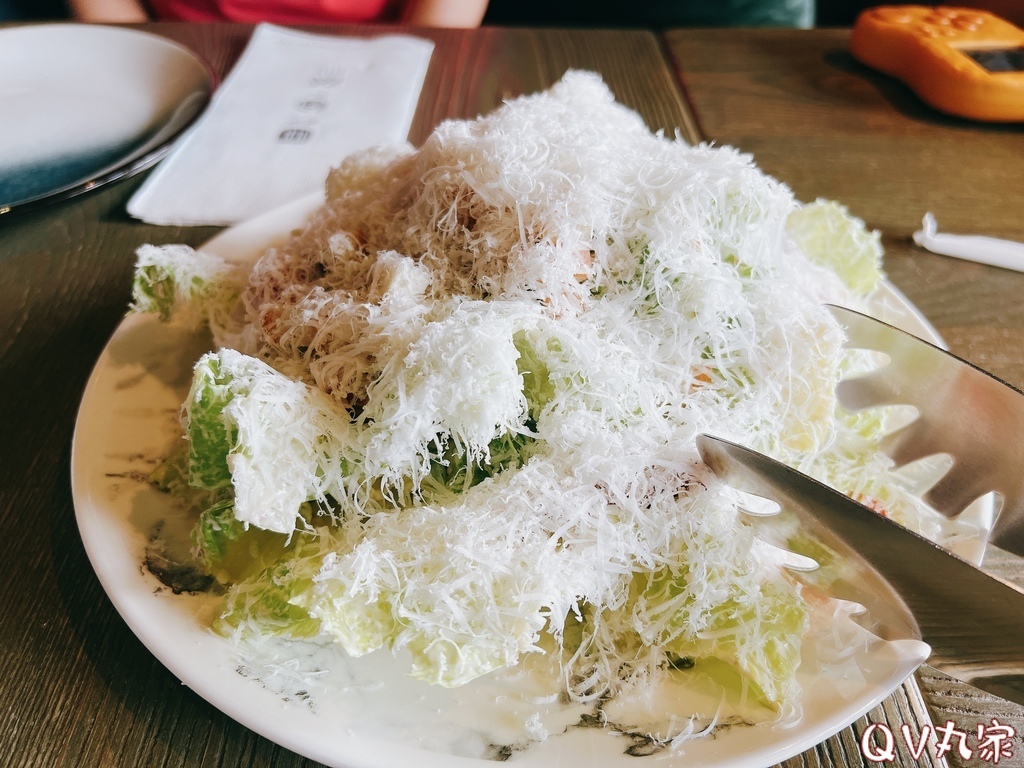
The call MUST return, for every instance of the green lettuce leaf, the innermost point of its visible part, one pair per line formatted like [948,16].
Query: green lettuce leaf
[829,236]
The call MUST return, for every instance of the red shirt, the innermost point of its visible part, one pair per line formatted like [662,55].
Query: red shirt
[273,11]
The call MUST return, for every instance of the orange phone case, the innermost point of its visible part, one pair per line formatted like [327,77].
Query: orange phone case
[926,47]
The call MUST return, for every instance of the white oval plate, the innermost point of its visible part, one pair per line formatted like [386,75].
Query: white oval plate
[84,105]
[365,713]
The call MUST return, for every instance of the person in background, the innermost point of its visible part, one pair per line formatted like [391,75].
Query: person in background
[425,13]
[652,14]
[665,14]
[32,10]
[843,13]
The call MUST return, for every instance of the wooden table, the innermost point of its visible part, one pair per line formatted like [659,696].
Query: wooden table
[78,689]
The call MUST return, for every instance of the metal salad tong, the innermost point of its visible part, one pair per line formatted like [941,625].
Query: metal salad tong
[910,586]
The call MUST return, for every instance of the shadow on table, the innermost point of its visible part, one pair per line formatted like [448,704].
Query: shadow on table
[902,99]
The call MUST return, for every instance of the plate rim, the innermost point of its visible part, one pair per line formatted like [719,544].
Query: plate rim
[231,243]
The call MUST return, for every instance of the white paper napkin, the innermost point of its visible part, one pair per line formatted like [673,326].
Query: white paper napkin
[294,106]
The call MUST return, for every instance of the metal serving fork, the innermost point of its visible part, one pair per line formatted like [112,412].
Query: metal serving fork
[909,586]
[963,412]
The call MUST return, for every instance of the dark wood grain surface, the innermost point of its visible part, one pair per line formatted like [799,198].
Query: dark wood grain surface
[78,689]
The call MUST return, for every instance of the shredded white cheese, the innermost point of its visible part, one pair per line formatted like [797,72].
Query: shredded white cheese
[536,313]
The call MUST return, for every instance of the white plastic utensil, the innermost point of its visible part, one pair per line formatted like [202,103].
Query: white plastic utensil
[982,249]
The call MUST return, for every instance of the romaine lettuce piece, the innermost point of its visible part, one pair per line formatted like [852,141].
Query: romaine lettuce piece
[278,442]
[210,437]
[360,625]
[829,236]
[187,286]
[264,603]
[231,551]
[760,636]
[537,386]
[744,618]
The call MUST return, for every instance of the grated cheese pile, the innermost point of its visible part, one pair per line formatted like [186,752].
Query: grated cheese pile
[455,414]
